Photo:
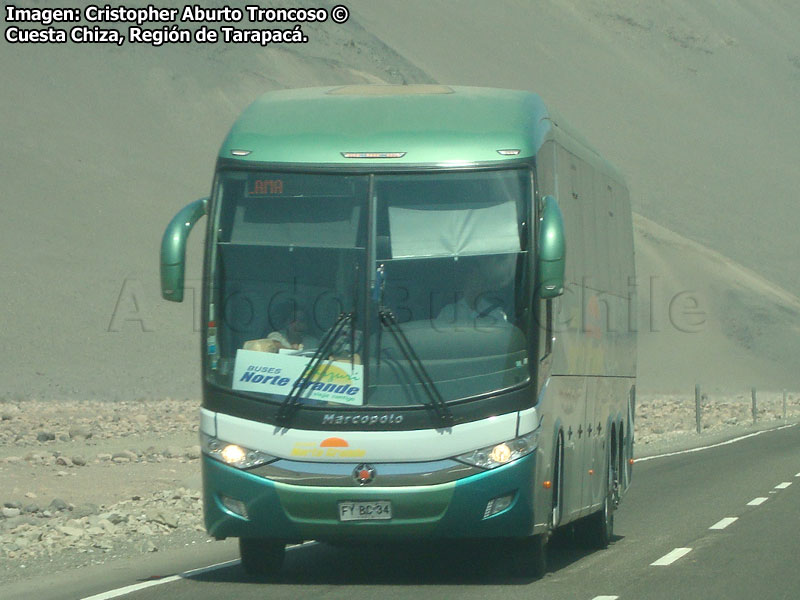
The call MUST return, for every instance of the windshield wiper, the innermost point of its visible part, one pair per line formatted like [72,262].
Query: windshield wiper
[436,401]
[291,402]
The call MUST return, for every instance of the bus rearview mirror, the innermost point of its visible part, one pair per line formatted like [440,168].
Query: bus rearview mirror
[551,251]
[173,249]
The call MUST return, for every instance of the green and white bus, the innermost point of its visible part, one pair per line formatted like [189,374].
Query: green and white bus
[418,323]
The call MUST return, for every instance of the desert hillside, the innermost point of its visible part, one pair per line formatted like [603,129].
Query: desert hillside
[705,319]
[696,102]
[697,105]
[102,145]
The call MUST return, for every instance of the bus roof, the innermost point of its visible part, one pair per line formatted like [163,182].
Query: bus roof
[428,124]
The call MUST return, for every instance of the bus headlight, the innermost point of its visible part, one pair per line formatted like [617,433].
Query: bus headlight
[503,453]
[233,454]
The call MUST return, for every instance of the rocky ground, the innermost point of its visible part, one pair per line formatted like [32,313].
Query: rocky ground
[89,482]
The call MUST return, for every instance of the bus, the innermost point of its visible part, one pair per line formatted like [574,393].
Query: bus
[418,324]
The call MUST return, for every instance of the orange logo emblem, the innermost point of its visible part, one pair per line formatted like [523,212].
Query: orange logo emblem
[332,447]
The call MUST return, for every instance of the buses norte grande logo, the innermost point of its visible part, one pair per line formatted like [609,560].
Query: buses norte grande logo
[332,447]
[327,379]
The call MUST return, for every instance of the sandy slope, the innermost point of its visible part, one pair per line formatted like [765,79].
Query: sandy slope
[706,319]
[103,145]
[697,105]
[695,102]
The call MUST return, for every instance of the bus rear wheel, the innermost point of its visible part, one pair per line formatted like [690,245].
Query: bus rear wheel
[261,557]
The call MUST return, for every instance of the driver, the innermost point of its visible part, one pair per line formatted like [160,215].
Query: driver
[293,335]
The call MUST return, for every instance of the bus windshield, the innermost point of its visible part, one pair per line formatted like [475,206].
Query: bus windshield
[392,290]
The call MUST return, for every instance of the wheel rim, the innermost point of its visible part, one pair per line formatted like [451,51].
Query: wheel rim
[611,500]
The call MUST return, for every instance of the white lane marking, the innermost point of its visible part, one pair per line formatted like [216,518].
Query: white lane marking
[733,441]
[757,501]
[798,475]
[124,591]
[132,588]
[783,486]
[605,598]
[722,524]
[671,557]
[146,584]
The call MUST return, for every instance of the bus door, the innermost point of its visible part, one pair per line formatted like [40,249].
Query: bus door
[598,407]
[587,435]
[573,399]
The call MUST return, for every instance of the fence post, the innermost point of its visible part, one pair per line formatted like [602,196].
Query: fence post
[755,406]
[784,405]
[697,408]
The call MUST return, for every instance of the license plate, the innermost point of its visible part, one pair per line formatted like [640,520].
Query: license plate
[365,511]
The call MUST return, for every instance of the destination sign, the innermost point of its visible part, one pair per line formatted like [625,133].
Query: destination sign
[298,185]
[265,187]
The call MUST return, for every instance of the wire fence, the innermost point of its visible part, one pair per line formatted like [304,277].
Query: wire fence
[702,412]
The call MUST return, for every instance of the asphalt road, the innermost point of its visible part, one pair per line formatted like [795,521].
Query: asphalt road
[666,518]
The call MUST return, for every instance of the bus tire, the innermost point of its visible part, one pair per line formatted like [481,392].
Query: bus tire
[261,557]
[557,508]
[599,527]
[529,557]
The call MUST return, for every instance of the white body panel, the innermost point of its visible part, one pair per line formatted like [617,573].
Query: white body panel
[373,446]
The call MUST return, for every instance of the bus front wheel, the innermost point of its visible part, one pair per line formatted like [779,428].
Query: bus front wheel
[598,528]
[261,557]
[529,557]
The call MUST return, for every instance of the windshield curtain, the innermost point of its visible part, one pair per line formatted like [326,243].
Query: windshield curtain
[451,257]
[439,309]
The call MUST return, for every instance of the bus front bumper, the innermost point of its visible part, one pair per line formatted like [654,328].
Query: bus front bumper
[240,504]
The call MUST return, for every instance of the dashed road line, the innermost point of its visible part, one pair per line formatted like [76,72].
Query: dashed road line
[783,486]
[757,501]
[605,598]
[724,523]
[671,557]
